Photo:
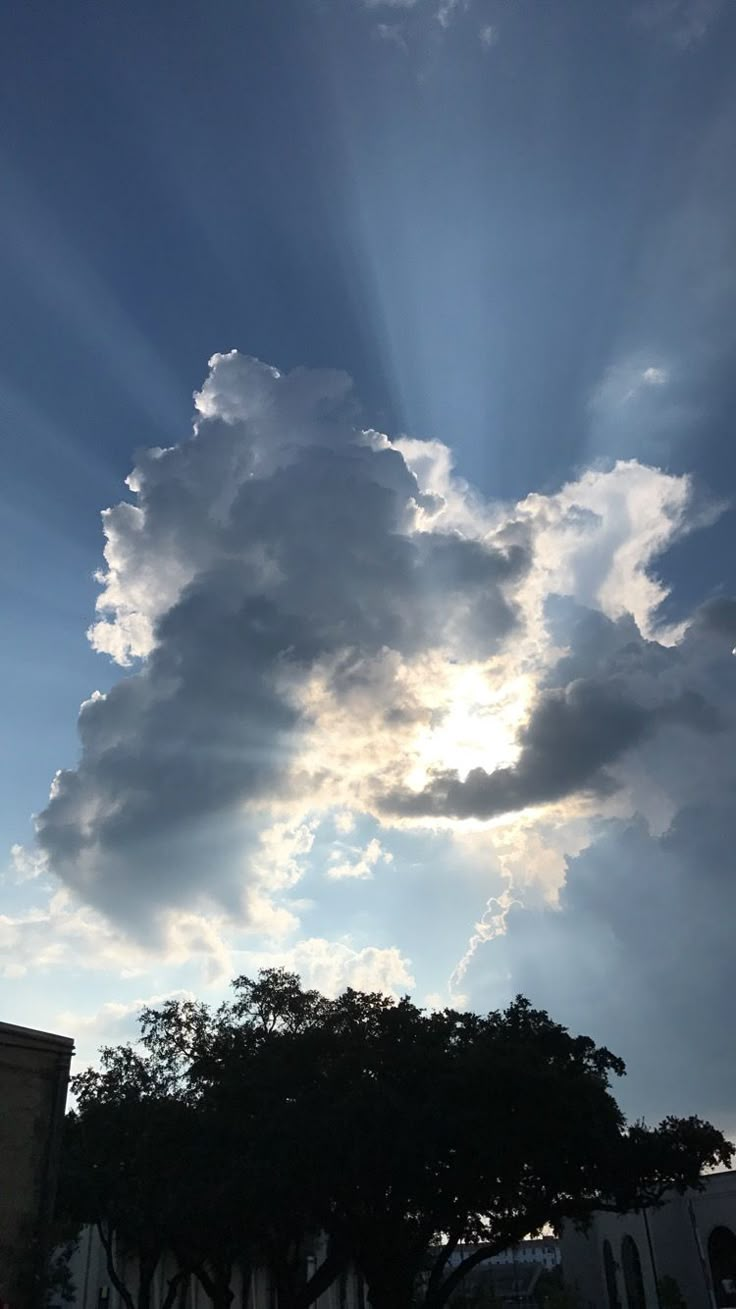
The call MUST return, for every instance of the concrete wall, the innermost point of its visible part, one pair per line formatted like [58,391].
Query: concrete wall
[34,1072]
[675,1245]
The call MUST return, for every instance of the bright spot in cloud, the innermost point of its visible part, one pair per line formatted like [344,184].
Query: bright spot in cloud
[484,710]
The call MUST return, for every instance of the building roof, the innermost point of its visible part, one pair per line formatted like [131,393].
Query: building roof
[29,1038]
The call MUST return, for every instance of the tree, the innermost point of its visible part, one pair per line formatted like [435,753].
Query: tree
[454,1128]
[253,1070]
[120,1145]
[239,1135]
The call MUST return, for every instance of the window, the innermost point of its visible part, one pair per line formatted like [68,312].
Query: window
[633,1279]
[609,1269]
[722,1260]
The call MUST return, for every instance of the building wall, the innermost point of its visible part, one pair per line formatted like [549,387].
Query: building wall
[675,1245]
[34,1072]
[94,1289]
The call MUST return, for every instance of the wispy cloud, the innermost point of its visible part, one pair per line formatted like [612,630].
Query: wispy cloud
[682,23]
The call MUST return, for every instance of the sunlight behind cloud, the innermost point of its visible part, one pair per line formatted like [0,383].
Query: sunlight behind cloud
[477,726]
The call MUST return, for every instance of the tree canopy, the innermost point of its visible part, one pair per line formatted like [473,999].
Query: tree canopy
[307,1135]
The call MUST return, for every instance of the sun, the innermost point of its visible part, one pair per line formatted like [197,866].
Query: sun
[474,724]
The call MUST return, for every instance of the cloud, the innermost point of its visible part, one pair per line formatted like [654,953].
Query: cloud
[114,1023]
[362,864]
[573,734]
[26,865]
[631,944]
[682,23]
[447,10]
[277,547]
[310,616]
[332,966]
[392,32]
[488,36]
[639,953]
[64,934]
[333,652]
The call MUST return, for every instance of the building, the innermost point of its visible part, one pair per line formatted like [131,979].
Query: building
[34,1073]
[94,1288]
[511,1275]
[509,1278]
[686,1245]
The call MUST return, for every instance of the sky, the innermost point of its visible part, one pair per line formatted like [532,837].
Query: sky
[367,513]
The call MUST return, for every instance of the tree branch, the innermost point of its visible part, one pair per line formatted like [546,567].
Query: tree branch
[173,1287]
[445,1290]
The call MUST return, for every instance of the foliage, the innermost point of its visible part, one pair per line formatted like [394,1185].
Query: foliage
[670,1295]
[237,1135]
[60,1287]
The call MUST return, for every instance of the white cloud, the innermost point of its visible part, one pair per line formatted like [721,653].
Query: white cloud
[27,864]
[489,36]
[113,1023]
[331,966]
[626,383]
[655,376]
[67,935]
[344,822]
[448,9]
[361,864]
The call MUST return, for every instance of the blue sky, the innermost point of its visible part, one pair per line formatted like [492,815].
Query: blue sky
[467,729]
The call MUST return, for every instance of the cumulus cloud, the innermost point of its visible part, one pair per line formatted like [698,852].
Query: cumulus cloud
[331,647]
[278,547]
[309,617]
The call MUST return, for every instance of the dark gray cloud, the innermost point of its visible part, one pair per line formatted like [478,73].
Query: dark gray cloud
[639,949]
[639,954]
[574,733]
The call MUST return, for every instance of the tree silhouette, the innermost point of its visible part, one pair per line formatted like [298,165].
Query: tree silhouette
[307,1135]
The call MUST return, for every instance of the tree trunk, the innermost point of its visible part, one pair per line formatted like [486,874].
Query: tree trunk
[174,1288]
[390,1287]
[216,1286]
[147,1265]
[321,1280]
[439,1293]
[107,1237]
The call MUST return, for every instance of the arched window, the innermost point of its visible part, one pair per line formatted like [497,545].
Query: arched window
[633,1279]
[722,1259]
[609,1269]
